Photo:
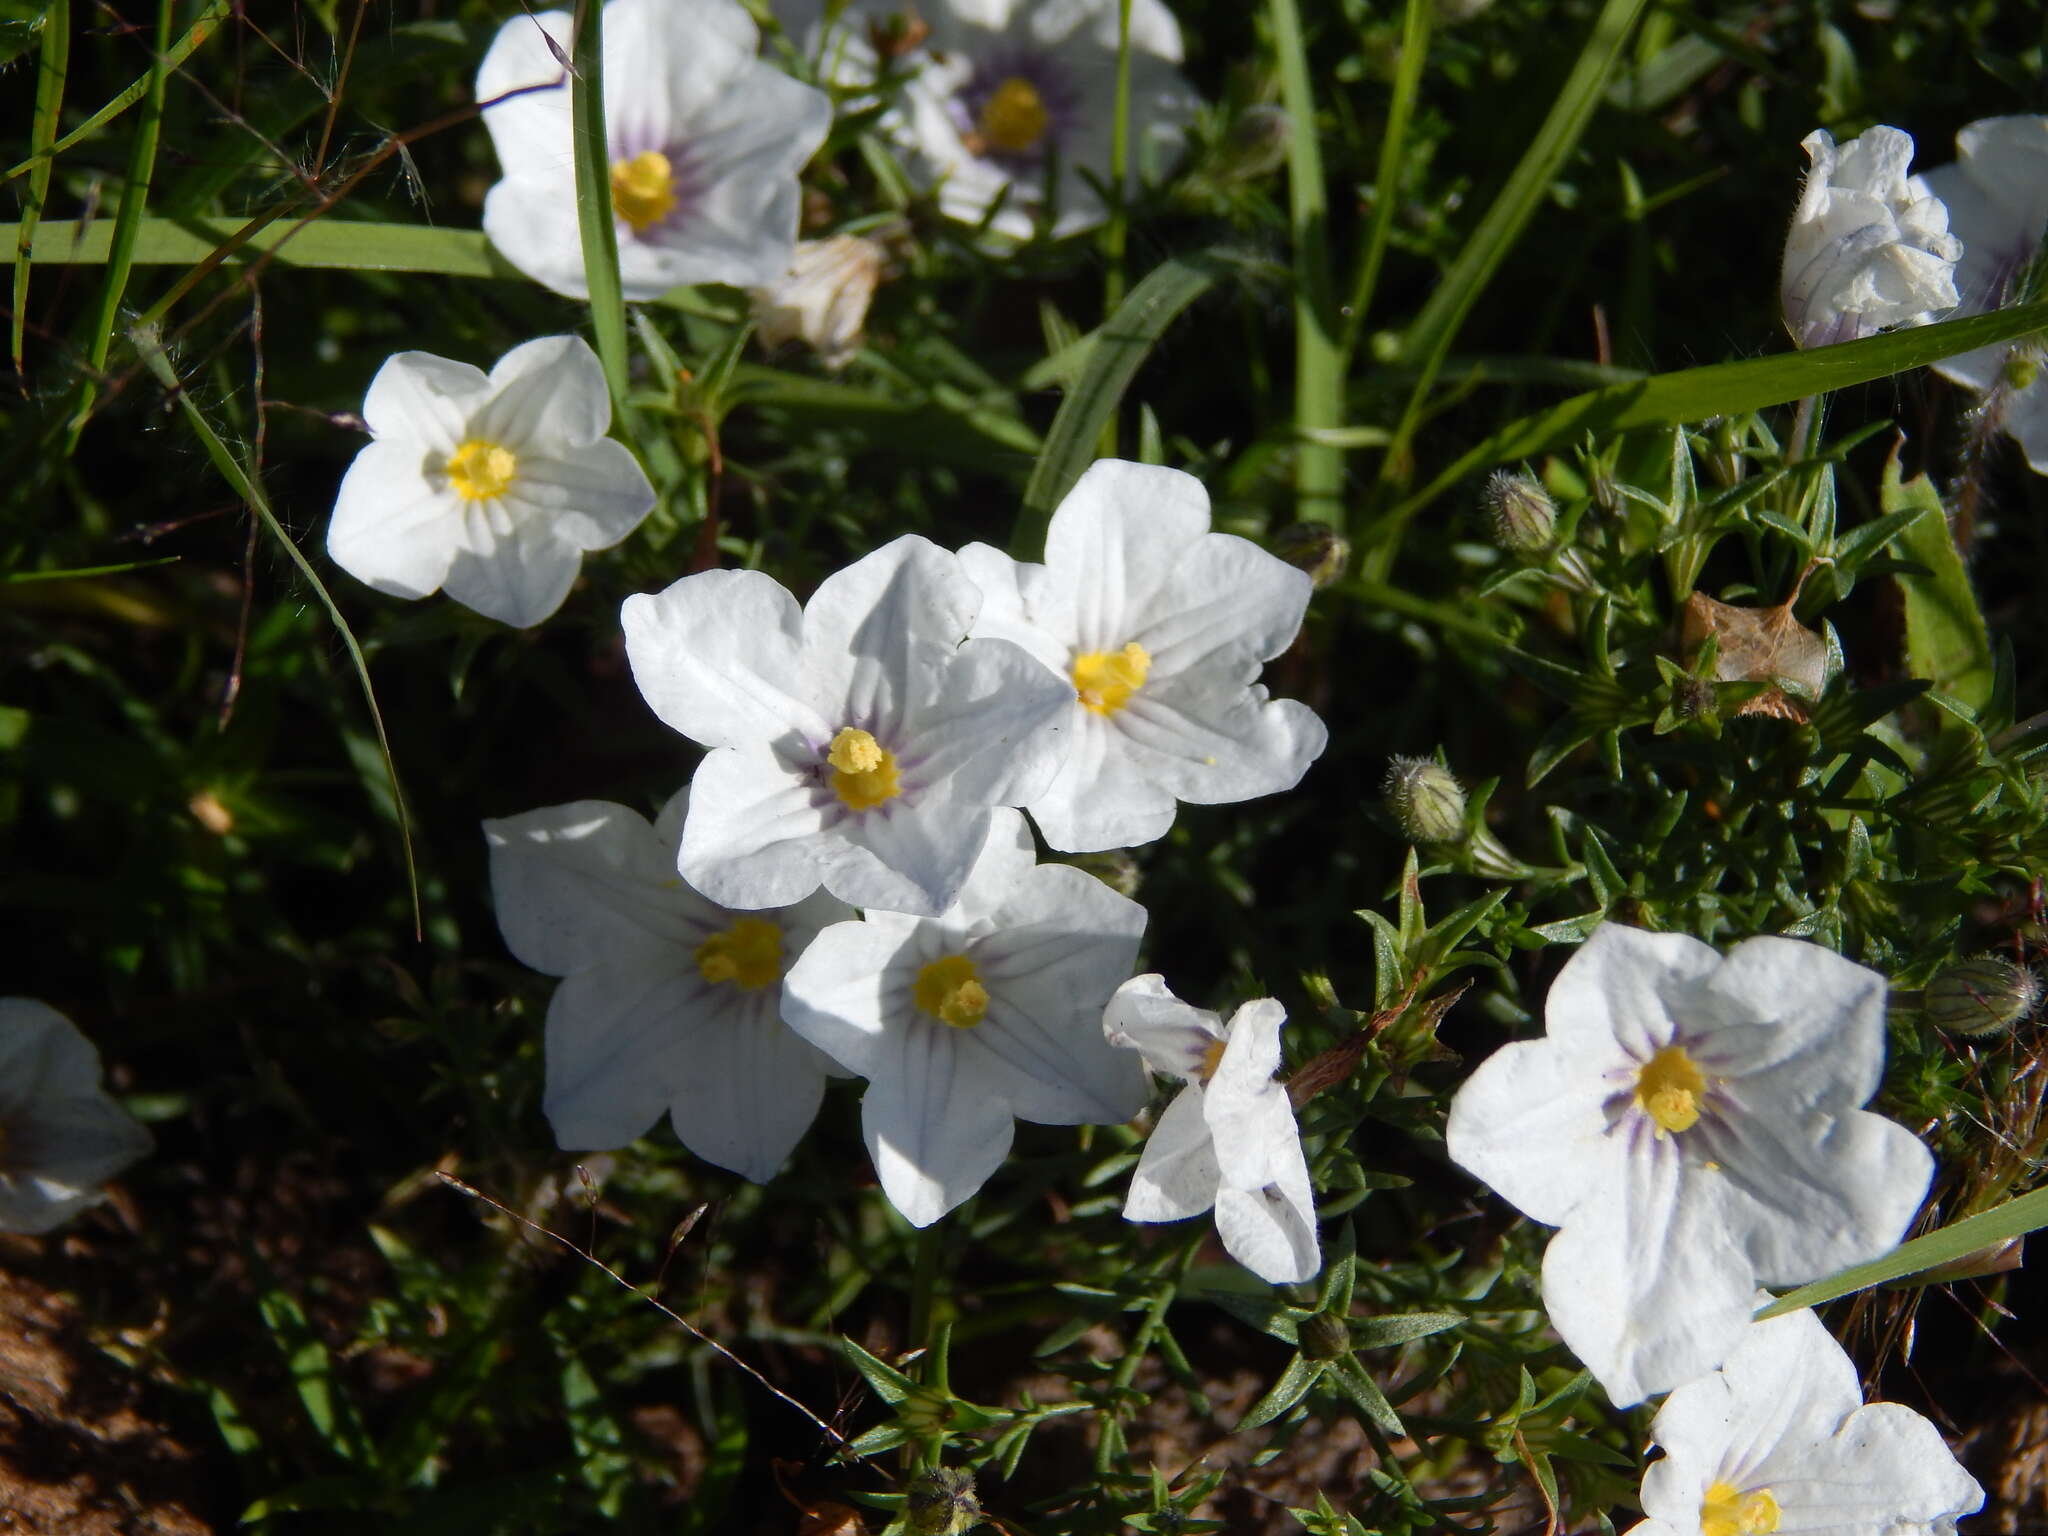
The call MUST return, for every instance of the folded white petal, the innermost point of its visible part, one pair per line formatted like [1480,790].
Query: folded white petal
[1171,1036]
[1176,1176]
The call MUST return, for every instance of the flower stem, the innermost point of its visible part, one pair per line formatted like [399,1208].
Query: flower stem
[1108,1444]
[1115,228]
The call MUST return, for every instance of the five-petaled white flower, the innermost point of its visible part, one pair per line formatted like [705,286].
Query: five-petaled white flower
[1229,1138]
[1691,1124]
[1159,628]
[667,1001]
[1779,1439]
[1009,105]
[705,142]
[490,488]
[1997,197]
[990,1011]
[1870,247]
[822,300]
[61,1136]
[856,742]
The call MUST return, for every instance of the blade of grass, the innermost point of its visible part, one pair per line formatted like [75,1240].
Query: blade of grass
[209,20]
[1387,188]
[594,199]
[1973,1234]
[148,344]
[52,64]
[1114,228]
[127,223]
[81,572]
[1318,361]
[326,242]
[1123,343]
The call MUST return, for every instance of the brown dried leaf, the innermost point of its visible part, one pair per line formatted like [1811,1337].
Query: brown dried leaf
[1759,645]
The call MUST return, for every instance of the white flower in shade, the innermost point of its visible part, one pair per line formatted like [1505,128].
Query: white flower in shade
[1997,197]
[856,742]
[705,142]
[960,1023]
[488,487]
[667,1002]
[822,300]
[1010,105]
[1229,1138]
[61,1136]
[1159,628]
[1691,1124]
[1870,247]
[1779,1439]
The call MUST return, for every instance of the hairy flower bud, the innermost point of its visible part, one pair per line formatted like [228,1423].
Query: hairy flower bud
[1983,995]
[1524,516]
[1426,800]
[941,1502]
[1315,548]
[1325,1336]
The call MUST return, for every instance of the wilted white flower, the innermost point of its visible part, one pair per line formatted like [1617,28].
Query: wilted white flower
[991,1010]
[1229,1138]
[61,1136]
[1691,1124]
[667,1002]
[822,300]
[704,143]
[1779,1439]
[1997,196]
[488,487]
[1159,628]
[1869,247]
[1009,105]
[856,742]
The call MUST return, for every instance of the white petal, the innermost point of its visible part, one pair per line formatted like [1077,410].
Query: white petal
[1215,742]
[1103,796]
[1177,1175]
[1808,1024]
[911,855]
[547,396]
[530,217]
[884,629]
[1170,1035]
[1271,1231]
[391,529]
[849,990]
[1786,1384]
[65,1135]
[621,1037]
[1007,858]
[994,728]
[420,398]
[1226,604]
[532,129]
[751,1090]
[1020,605]
[586,498]
[1887,1469]
[1626,986]
[1252,1054]
[755,836]
[1530,1123]
[1115,540]
[518,577]
[933,1129]
[719,657]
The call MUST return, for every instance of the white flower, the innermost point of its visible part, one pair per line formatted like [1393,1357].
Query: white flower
[490,487]
[61,1136]
[1779,1440]
[1010,104]
[990,1011]
[705,142]
[1869,247]
[1691,1123]
[856,742]
[1997,197]
[667,1002]
[822,300]
[1229,1138]
[1159,628]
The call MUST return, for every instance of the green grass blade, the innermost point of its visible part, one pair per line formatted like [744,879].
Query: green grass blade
[1973,1234]
[1387,186]
[594,199]
[127,223]
[325,242]
[1124,342]
[1115,227]
[1723,389]
[1318,360]
[149,345]
[52,64]
[209,21]
[85,572]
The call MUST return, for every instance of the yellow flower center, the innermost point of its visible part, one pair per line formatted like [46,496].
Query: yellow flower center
[1729,1512]
[748,954]
[1013,119]
[863,770]
[1669,1089]
[643,190]
[481,470]
[1105,680]
[950,990]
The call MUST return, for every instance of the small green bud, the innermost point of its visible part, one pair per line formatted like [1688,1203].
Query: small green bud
[1425,800]
[2022,367]
[941,1502]
[1256,143]
[1984,995]
[1524,516]
[1313,547]
[1325,1336]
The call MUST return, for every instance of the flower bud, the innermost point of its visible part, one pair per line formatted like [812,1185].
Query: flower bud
[1315,548]
[1325,1336]
[1984,995]
[1256,143]
[1425,800]
[941,1502]
[1524,517]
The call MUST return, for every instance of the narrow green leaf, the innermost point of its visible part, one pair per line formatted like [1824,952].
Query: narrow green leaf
[323,242]
[594,199]
[1290,1389]
[890,1384]
[1122,344]
[85,572]
[1946,641]
[1364,1394]
[52,64]
[1415,25]
[1400,1328]
[149,345]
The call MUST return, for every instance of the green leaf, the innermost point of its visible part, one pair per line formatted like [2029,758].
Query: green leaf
[594,198]
[1946,641]
[1290,1389]
[326,242]
[890,1384]
[1401,1328]
[52,64]
[1349,1378]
